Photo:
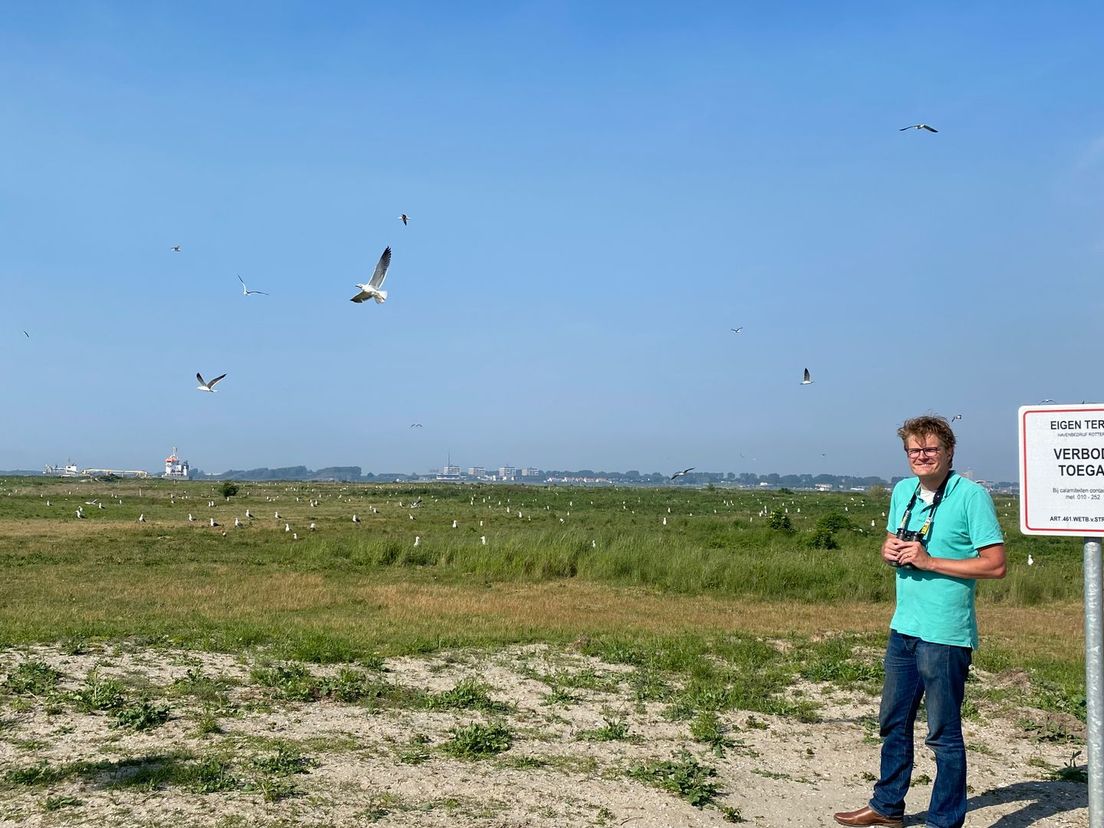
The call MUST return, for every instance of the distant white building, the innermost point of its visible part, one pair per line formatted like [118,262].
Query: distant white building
[506,472]
[449,472]
[529,471]
[823,487]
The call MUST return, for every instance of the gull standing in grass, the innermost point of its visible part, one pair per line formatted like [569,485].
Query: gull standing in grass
[207,386]
[246,291]
[373,289]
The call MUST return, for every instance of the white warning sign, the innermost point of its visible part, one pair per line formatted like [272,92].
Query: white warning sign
[1062,469]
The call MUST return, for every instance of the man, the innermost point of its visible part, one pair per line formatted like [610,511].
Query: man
[942,535]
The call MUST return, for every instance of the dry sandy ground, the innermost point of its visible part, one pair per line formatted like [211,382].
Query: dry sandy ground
[368,767]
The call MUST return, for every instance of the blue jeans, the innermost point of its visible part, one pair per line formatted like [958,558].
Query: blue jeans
[913,669]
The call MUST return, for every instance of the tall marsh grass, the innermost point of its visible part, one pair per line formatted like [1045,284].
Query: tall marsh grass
[110,575]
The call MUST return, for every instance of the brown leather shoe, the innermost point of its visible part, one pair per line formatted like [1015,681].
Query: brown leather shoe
[866,816]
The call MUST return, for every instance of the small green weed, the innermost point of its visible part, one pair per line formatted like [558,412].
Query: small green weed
[1071,771]
[140,715]
[32,678]
[477,741]
[42,773]
[212,690]
[274,789]
[683,776]
[360,686]
[468,694]
[286,760]
[99,693]
[560,695]
[372,662]
[708,729]
[525,762]
[207,723]
[293,682]
[56,803]
[648,685]
[75,645]
[730,814]
[212,775]
[378,807]
[613,730]
[416,751]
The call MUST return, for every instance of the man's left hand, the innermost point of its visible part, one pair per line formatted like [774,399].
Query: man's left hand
[913,552]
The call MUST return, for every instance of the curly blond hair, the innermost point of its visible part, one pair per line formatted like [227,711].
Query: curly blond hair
[928,425]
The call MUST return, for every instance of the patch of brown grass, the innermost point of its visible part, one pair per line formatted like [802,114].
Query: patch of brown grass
[368,608]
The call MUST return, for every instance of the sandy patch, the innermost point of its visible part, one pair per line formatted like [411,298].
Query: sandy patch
[384,764]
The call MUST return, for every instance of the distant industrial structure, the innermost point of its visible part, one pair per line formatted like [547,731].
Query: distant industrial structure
[175,469]
[70,469]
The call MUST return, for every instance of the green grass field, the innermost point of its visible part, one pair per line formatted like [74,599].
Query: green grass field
[665,574]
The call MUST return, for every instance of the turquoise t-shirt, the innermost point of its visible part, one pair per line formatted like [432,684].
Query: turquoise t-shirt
[934,607]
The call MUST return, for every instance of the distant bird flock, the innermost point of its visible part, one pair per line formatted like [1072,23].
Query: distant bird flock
[373,290]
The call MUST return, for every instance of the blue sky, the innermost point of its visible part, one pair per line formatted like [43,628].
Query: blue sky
[597,192]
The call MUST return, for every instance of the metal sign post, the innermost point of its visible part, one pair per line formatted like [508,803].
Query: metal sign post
[1094,678]
[1062,493]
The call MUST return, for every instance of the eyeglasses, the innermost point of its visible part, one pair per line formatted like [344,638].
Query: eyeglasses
[929,451]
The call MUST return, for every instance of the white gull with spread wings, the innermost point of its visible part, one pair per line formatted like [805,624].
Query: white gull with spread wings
[373,290]
[207,386]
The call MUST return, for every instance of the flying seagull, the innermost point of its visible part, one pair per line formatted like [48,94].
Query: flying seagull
[737,330]
[919,126]
[808,378]
[207,386]
[956,417]
[416,425]
[26,335]
[372,289]
[175,248]
[682,473]
[404,218]
[246,291]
